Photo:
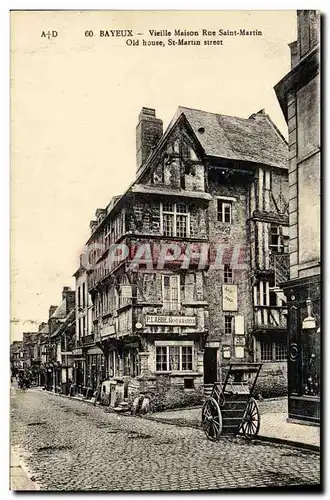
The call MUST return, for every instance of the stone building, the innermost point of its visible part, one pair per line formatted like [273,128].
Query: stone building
[299,96]
[30,349]
[184,268]
[58,343]
[16,355]
[89,360]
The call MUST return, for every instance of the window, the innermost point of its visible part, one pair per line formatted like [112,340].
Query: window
[272,299]
[188,383]
[171,292]
[175,219]
[174,358]
[224,211]
[229,325]
[281,351]
[273,350]
[174,355]
[161,359]
[186,358]
[83,294]
[279,239]
[266,351]
[228,274]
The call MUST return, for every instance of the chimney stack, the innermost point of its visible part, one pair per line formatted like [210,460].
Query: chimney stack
[52,309]
[41,326]
[148,133]
[69,296]
[294,53]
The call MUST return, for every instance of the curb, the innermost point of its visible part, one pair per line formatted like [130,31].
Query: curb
[28,477]
[288,442]
[269,439]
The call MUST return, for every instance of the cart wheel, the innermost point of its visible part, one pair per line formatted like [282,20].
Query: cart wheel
[251,420]
[211,419]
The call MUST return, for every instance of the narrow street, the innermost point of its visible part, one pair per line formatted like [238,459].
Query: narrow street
[70,445]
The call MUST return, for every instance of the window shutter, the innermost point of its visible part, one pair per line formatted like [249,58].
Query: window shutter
[239,325]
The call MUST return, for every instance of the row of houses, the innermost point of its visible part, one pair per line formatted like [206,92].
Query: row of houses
[181,274]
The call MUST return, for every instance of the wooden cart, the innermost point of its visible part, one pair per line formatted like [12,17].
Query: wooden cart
[231,409]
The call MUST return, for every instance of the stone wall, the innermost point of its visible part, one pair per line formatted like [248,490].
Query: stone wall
[234,237]
[272,381]
[165,392]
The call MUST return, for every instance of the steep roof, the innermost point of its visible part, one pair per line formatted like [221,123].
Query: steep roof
[44,330]
[60,312]
[70,316]
[255,139]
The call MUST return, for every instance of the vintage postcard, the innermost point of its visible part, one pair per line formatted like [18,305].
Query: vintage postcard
[165,250]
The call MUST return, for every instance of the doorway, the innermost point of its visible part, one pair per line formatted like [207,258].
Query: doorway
[210,365]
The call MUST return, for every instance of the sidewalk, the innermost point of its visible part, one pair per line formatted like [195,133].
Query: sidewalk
[274,426]
[19,479]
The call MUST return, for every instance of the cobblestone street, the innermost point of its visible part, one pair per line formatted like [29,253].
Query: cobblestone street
[70,445]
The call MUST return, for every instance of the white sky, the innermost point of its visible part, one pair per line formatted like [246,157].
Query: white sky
[74,108]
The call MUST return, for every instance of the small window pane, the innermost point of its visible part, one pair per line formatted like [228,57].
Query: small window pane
[228,274]
[229,321]
[161,358]
[266,351]
[168,222]
[181,226]
[186,358]
[281,351]
[168,207]
[181,208]
[174,358]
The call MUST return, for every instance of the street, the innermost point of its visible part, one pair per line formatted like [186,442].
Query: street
[71,445]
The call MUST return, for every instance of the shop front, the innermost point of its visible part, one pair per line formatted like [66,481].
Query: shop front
[95,368]
[304,345]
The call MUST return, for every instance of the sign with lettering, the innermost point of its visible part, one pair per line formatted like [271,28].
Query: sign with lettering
[229,297]
[156,319]
[108,330]
[239,341]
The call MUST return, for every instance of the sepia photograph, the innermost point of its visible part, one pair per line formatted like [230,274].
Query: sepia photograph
[165,183]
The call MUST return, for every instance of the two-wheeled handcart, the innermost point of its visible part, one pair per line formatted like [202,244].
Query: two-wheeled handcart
[231,408]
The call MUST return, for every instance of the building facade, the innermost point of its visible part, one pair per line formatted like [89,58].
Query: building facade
[89,361]
[16,356]
[57,343]
[183,270]
[299,96]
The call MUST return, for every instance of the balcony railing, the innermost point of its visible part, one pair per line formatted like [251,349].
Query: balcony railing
[270,317]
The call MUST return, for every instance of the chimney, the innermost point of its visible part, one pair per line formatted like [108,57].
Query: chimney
[69,296]
[93,225]
[148,133]
[52,309]
[260,114]
[294,53]
[41,326]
